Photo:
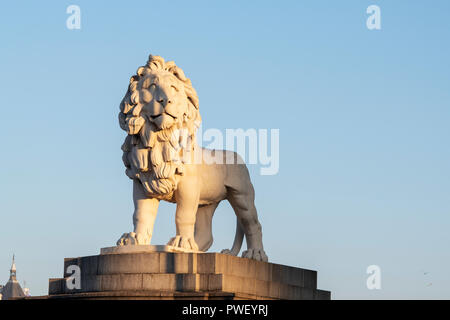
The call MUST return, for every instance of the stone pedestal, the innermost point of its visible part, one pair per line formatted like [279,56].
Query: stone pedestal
[151,272]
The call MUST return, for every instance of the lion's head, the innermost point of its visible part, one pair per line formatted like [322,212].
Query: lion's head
[160,114]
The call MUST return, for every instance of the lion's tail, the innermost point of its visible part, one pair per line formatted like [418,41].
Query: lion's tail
[238,238]
[203,230]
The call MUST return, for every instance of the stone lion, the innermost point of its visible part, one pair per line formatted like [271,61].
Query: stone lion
[160,113]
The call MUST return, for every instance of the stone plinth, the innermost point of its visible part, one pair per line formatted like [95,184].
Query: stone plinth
[145,249]
[156,274]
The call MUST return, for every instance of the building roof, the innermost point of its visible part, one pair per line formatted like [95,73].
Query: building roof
[12,289]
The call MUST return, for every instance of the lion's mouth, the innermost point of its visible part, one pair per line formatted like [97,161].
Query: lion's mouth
[163,120]
[159,115]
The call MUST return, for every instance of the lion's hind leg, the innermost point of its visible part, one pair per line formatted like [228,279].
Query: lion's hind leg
[241,195]
[203,226]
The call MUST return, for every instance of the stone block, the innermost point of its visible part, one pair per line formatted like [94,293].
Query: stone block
[241,267]
[187,282]
[262,288]
[322,295]
[161,282]
[185,263]
[90,283]
[238,284]
[88,265]
[263,270]
[114,282]
[206,263]
[166,262]
[55,286]
[274,289]
[128,263]
[213,282]
[310,279]
[292,276]
[306,294]
[288,292]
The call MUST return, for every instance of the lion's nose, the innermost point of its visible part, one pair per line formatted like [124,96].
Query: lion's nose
[164,101]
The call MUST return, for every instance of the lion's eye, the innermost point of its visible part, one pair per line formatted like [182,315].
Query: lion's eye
[153,85]
[175,88]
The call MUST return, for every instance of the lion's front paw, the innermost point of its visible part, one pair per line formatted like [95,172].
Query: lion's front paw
[256,254]
[183,242]
[132,238]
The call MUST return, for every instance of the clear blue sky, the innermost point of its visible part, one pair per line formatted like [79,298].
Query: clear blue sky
[364,119]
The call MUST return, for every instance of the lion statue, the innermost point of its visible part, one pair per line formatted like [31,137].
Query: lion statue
[160,113]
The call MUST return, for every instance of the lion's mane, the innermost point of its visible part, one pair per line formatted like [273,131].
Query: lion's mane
[155,156]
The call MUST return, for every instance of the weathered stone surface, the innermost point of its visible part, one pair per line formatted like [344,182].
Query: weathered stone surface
[162,282]
[322,295]
[166,263]
[128,263]
[55,286]
[89,282]
[220,263]
[116,282]
[185,262]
